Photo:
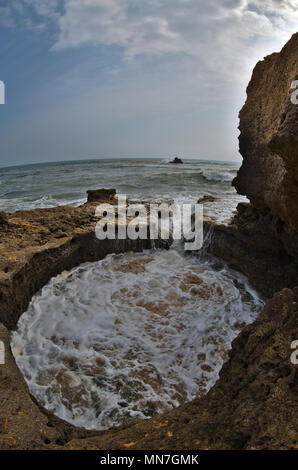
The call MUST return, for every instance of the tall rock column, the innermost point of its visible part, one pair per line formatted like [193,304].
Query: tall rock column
[269,137]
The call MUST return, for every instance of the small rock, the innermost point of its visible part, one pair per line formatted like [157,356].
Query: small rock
[101,194]
[177,160]
[206,198]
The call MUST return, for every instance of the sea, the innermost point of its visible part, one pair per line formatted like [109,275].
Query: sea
[135,334]
[52,184]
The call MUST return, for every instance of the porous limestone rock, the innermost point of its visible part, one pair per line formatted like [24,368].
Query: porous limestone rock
[269,136]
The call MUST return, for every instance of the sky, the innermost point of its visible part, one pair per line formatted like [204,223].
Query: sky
[131,78]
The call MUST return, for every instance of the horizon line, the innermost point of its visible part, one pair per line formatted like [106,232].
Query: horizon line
[20,165]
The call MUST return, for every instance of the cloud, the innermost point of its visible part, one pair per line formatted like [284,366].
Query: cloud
[171,26]
[141,29]
[47,8]
[214,35]
[32,14]
[6,17]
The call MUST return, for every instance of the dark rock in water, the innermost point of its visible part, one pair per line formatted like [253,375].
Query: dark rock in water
[207,198]
[101,194]
[177,160]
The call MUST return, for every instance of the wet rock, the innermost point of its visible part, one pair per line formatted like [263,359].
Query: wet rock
[95,195]
[257,244]
[207,198]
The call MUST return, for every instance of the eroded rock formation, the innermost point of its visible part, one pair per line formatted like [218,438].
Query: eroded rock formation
[269,136]
[262,240]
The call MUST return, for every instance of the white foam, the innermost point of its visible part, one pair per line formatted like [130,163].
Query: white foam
[222,210]
[130,336]
[219,176]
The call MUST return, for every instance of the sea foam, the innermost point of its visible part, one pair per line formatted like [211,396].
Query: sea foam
[131,335]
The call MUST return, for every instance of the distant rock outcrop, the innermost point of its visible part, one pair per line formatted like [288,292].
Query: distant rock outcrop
[177,160]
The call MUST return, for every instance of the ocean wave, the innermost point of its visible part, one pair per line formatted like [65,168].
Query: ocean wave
[44,202]
[219,177]
[67,183]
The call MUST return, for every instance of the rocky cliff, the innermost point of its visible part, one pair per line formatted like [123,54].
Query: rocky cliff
[269,137]
[262,240]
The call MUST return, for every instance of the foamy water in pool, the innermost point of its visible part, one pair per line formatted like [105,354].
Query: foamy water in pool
[131,335]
